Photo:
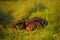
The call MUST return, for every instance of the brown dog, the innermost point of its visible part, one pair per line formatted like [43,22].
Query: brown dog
[32,24]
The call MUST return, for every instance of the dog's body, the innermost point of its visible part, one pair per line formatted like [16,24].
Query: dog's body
[32,24]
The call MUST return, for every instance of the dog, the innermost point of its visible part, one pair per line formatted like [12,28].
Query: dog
[31,24]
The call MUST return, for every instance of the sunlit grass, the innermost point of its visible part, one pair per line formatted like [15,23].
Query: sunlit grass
[20,8]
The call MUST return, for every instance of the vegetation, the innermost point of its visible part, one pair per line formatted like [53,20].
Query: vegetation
[5,18]
[47,9]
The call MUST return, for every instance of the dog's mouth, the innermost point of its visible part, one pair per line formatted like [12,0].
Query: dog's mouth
[30,27]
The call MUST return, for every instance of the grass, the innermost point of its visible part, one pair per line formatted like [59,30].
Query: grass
[22,9]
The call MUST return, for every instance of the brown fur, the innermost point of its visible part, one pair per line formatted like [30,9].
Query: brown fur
[32,24]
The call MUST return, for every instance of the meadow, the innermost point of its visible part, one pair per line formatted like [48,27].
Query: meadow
[12,11]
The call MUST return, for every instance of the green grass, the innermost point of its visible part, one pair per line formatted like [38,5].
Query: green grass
[22,9]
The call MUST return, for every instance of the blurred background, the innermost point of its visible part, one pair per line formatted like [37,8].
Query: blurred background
[13,10]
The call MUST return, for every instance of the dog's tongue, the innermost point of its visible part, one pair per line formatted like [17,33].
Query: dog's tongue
[28,28]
